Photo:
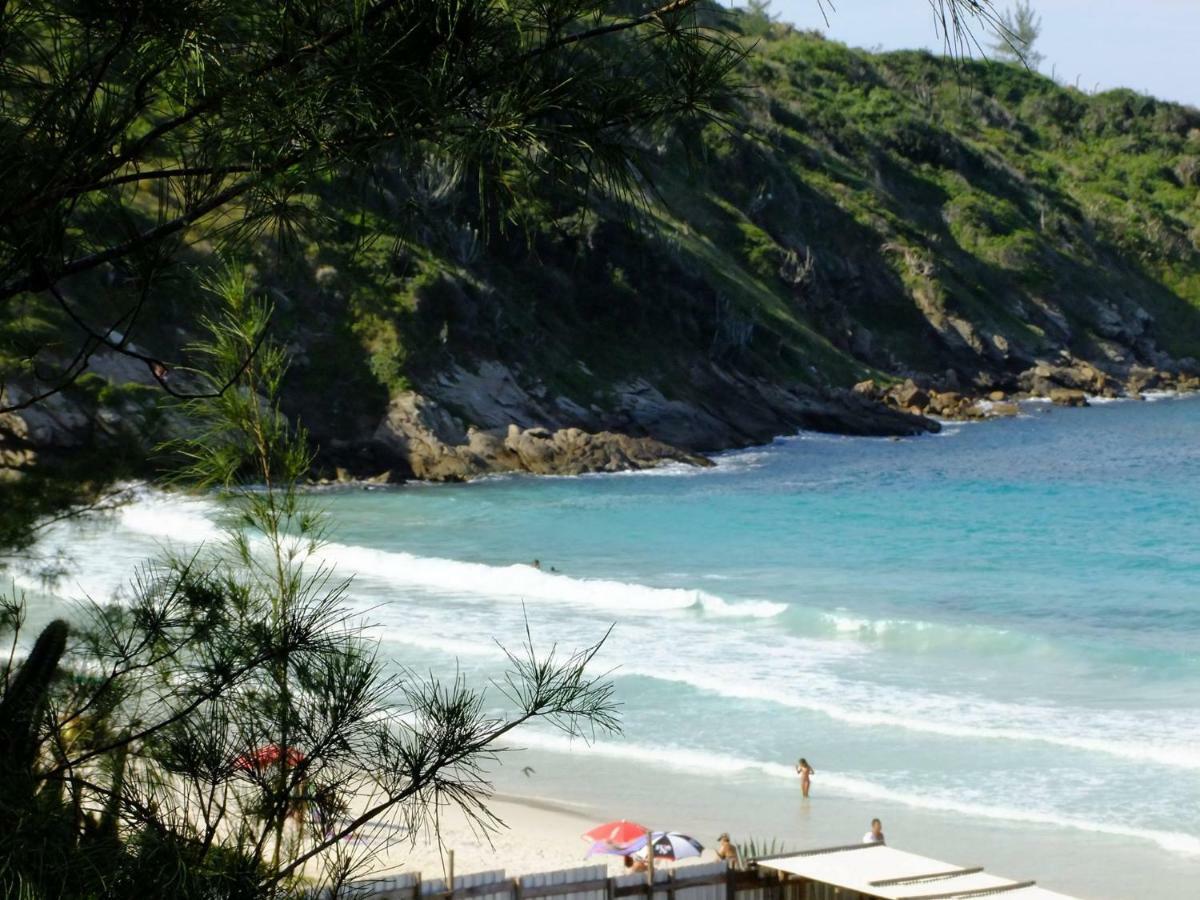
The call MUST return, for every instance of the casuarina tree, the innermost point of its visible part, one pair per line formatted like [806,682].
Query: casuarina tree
[223,731]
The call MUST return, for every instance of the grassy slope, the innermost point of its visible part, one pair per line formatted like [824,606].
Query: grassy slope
[862,214]
[859,205]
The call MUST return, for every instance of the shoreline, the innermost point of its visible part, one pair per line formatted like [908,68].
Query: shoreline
[541,833]
[1042,404]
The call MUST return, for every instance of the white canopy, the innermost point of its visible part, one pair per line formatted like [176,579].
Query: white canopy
[881,871]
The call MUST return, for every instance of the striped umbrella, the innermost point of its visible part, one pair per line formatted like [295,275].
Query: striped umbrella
[672,845]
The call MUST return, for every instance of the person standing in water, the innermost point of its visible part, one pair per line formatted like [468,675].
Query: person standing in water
[805,771]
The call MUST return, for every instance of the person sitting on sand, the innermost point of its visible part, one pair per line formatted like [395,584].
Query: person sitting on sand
[805,771]
[634,865]
[726,851]
[875,835]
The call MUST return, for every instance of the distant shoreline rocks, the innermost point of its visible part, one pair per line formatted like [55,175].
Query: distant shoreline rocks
[1070,385]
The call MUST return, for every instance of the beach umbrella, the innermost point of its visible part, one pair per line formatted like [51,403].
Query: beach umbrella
[615,834]
[268,755]
[672,845]
[612,849]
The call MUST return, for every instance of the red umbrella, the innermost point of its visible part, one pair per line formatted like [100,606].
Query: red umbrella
[616,834]
[268,755]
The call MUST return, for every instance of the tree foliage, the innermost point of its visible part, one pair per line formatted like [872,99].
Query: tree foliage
[1017,30]
[223,732]
[133,129]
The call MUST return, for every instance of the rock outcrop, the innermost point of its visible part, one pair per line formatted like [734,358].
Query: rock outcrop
[500,423]
[426,441]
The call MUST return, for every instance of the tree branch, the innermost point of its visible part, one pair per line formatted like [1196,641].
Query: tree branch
[159,369]
[624,25]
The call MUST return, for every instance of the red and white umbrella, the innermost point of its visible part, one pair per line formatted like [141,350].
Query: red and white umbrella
[616,834]
[268,755]
[671,845]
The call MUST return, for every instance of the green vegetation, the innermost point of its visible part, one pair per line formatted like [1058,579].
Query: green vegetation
[844,215]
[222,732]
[859,213]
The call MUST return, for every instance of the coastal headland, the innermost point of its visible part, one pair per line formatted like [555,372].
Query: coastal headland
[874,242]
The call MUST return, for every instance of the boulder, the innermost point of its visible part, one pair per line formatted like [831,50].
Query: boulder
[946,403]
[1003,408]
[1068,397]
[1143,379]
[910,396]
[1074,374]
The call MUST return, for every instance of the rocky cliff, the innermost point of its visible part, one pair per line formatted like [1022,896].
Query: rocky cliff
[869,242]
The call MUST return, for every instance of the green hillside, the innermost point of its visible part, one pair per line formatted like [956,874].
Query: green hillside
[861,214]
[855,216]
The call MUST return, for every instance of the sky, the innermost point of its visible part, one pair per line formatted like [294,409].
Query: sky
[1152,46]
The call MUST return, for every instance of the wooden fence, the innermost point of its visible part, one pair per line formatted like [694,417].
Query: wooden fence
[711,881]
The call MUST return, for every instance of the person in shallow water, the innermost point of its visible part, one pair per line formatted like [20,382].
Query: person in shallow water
[875,835]
[805,771]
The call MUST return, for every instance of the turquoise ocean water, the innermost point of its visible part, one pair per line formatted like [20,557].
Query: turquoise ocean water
[998,625]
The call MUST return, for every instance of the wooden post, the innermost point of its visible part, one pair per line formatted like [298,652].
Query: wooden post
[450,873]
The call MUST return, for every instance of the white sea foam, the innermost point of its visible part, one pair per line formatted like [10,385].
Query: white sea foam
[844,623]
[820,689]
[1156,396]
[849,785]
[666,470]
[954,717]
[440,643]
[172,518]
[524,582]
[191,522]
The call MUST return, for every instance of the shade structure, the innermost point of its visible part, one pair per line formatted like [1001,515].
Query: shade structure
[610,849]
[876,870]
[672,845]
[268,755]
[616,834]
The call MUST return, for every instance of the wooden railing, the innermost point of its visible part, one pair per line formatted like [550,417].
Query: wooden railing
[711,881]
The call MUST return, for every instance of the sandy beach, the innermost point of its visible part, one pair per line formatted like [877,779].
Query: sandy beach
[544,815]
[538,835]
